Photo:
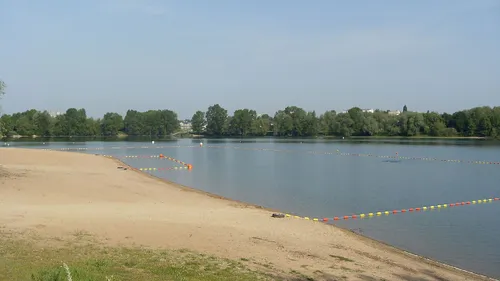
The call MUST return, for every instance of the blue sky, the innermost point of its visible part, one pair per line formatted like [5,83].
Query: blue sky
[114,55]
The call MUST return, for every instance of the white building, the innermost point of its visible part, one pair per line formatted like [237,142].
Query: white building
[394,112]
[185,125]
[54,114]
[363,110]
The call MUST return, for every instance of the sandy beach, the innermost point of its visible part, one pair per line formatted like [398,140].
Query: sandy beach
[55,194]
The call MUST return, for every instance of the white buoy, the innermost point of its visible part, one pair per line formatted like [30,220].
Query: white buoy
[153,142]
[201,144]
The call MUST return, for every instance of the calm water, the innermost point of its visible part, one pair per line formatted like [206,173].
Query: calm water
[319,185]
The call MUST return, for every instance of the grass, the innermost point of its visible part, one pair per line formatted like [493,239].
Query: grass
[81,259]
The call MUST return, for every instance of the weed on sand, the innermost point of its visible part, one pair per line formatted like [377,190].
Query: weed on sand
[38,260]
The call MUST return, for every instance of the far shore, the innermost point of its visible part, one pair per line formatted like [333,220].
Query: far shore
[55,194]
[123,136]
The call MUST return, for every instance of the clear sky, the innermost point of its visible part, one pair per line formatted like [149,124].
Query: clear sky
[114,55]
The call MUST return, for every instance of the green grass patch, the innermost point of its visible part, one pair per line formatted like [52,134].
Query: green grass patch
[40,260]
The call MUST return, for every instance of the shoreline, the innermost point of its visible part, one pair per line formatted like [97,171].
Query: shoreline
[54,189]
[368,239]
[196,137]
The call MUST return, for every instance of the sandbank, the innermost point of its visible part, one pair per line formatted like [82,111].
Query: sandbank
[57,193]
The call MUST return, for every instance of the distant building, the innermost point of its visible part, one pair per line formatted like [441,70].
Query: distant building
[394,112]
[363,110]
[54,114]
[185,125]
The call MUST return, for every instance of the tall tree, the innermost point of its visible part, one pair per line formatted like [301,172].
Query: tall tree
[327,122]
[133,123]
[2,88]
[43,123]
[198,122]
[111,124]
[216,120]
[242,121]
[2,92]
[261,125]
[405,109]
[283,124]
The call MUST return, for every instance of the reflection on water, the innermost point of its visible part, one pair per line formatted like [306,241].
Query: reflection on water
[373,141]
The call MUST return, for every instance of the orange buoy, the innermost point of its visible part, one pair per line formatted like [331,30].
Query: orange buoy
[417,209]
[354,216]
[496,199]
[346,217]
[468,203]
[336,218]
[325,219]
[189,166]
[403,211]
[411,210]
[395,211]
[452,205]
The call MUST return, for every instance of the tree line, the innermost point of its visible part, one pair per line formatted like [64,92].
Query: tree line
[291,121]
[75,122]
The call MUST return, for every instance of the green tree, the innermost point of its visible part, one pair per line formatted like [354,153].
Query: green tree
[411,123]
[357,116]
[344,125]
[327,123]
[6,125]
[2,88]
[369,126]
[293,121]
[111,124]
[217,120]
[434,124]
[134,123]
[93,127]
[198,122]
[283,124]
[261,125]
[242,120]
[151,122]
[43,123]
[405,109]
[170,121]
[311,124]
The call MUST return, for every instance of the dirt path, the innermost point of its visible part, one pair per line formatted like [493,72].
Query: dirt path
[57,193]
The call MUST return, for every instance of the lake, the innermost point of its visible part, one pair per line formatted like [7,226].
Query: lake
[324,179]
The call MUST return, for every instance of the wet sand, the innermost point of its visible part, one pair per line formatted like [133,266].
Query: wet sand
[57,193]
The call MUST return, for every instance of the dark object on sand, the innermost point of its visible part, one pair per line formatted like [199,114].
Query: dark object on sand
[123,168]
[280,216]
